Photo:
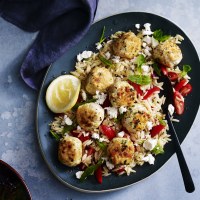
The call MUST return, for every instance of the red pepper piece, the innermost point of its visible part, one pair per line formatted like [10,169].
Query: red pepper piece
[106,103]
[150,92]
[180,84]
[164,70]
[185,90]
[98,174]
[90,151]
[178,103]
[156,130]
[136,87]
[82,138]
[107,131]
[173,76]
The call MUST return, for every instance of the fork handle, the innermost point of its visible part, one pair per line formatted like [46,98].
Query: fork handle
[187,178]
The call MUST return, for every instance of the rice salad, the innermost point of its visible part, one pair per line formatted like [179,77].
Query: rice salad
[117,122]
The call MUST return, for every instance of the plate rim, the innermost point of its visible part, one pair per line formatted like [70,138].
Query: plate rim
[39,96]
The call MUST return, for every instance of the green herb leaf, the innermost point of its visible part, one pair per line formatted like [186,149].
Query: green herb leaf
[140,60]
[140,79]
[101,145]
[157,69]
[158,150]
[186,69]
[158,35]
[105,61]
[75,107]
[55,135]
[90,170]
[102,38]
[162,122]
[68,128]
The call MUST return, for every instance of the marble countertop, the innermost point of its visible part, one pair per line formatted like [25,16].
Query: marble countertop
[18,142]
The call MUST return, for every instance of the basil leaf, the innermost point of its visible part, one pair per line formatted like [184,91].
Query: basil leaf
[56,136]
[140,79]
[186,69]
[158,150]
[75,107]
[102,38]
[101,145]
[157,69]
[90,170]
[105,61]
[158,35]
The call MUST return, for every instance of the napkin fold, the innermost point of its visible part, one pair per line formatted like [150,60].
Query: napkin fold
[61,25]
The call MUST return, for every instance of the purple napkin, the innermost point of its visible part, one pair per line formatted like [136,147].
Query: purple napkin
[61,25]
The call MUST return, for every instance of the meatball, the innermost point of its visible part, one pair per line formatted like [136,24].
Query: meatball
[90,116]
[122,94]
[100,78]
[121,151]
[70,151]
[168,53]
[127,45]
[136,119]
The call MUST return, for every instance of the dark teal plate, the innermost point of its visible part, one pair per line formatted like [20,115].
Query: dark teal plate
[120,22]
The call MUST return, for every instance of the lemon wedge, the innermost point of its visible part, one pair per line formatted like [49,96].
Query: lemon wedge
[62,93]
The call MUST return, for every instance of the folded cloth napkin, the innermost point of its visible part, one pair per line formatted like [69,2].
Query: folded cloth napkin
[61,25]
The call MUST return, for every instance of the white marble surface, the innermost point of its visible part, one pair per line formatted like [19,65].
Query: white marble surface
[18,143]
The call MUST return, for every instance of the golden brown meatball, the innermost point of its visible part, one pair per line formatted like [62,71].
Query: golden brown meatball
[121,151]
[122,94]
[90,116]
[100,78]
[127,45]
[70,151]
[136,119]
[168,53]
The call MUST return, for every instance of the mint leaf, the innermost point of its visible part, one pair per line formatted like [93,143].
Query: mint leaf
[158,150]
[90,170]
[105,61]
[186,69]
[140,60]
[102,38]
[158,35]
[140,79]
[157,69]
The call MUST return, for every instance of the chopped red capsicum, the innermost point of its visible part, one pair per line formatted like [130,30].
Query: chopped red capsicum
[185,90]
[107,131]
[82,138]
[136,87]
[180,84]
[178,103]
[90,151]
[173,76]
[164,70]
[156,130]
[98,174]
[150,92]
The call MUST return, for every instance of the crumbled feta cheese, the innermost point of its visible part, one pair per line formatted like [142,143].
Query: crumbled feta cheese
[121,134]
[95,136]
[149,125]
[137,26]
[122,109]
[79,174]
[147,53]
[84,55]
[112,112]
[109,165]
[149,158]
[101,97]
[78,128]
[116,59]
[107,54]
[83,95]
[102,139]
[147,39]
[171,109]
[99,46]
[154,42]
[145,68]
[147,26]
[67,120]
[144,32]
[149,144]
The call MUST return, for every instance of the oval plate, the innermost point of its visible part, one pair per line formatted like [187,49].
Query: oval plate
[123,22]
